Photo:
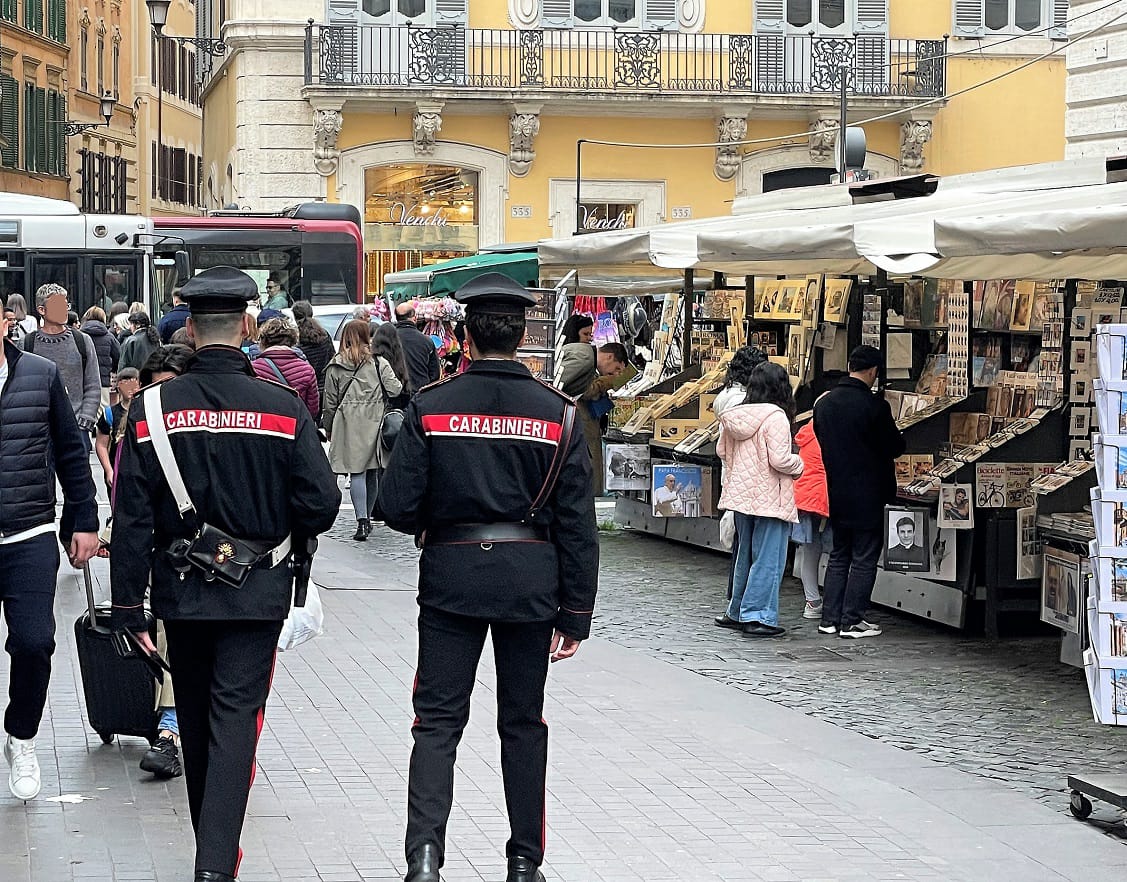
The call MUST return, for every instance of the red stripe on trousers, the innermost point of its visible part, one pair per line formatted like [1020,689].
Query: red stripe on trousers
[257,736]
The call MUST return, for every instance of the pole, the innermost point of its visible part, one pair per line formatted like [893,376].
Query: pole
[160,117]
[578,178]
[842,121]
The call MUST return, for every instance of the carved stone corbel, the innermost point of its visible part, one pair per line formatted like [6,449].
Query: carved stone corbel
[524,126]
[734,129]
[914,134]
[327,124]
[427,124]
[823,139]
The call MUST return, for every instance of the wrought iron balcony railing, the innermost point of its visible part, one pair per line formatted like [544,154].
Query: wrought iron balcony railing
[644,62]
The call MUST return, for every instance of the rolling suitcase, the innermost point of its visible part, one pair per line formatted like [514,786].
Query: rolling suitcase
[119,690]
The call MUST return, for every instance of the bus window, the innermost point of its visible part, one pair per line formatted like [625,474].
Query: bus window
[59,271]
[328,272]
[117,281]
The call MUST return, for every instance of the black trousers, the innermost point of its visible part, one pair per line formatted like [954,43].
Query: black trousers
[850,575]
[222,672]
[449,650]
[28,571]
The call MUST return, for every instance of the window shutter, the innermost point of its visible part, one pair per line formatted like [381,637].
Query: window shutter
[41,126]
[770,16]
[61,108]
[51,133]
[344,12]
[450,12]
[970,18]
[556,14]
[29,126]
[10,121]
[871,17]
[661,15]
[1059,30]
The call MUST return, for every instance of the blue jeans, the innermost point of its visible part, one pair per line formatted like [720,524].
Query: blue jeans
[761,557]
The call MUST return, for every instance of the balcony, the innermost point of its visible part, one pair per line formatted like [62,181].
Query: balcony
[538,62]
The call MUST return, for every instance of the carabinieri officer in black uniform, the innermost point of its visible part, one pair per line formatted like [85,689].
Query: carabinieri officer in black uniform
[491,473]
[257,490]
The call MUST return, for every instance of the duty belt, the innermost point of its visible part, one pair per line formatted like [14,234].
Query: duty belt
[484,534]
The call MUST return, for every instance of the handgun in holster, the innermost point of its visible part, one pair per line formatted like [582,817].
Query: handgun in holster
[302,569]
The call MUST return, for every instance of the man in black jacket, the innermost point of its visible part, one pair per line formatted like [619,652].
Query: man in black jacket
[40,441]
[258,482]
[422,357]
[859,442]
[497,490]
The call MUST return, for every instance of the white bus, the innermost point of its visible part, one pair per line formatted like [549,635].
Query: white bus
[98,258]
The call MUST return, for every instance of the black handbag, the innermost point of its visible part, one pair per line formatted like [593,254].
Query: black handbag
[393,416]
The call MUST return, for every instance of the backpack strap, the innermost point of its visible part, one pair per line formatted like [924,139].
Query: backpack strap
[108,412]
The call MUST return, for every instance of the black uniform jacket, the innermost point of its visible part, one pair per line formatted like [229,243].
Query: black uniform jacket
[475,449]
[859,442]
[254,468]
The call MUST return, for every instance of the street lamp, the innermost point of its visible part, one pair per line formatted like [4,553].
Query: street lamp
[106,105]
[158,18]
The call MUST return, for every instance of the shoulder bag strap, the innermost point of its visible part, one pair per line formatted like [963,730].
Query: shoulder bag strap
[348,382]
[277,370]
[158,432]
[567,425]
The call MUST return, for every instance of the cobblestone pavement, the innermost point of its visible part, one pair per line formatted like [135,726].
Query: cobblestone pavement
[1006,709]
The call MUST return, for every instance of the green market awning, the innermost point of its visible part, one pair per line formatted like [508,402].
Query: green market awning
[443,279]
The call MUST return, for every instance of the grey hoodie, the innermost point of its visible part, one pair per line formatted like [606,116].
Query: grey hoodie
[83,388]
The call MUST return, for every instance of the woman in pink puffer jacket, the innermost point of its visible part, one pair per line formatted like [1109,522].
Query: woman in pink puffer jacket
[759,471]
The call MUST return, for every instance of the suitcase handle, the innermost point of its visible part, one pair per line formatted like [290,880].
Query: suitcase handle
[89,593]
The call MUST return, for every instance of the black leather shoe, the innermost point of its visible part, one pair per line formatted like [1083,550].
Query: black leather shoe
[523,870]
[212,876]
[725,622]
[758,629]
[423,864]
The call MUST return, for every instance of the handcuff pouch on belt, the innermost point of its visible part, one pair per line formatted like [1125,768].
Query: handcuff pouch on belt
[218,555]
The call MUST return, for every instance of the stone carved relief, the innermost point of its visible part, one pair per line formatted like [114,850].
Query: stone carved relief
[914,134]
[690,16]
[524,13]
[427,125]
[823,139]
[523,129]
[730,128]
[326,129]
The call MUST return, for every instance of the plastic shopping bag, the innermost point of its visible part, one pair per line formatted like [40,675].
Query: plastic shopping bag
[728,530]
[304,622]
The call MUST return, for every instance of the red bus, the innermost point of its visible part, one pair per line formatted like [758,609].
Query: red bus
[315,250]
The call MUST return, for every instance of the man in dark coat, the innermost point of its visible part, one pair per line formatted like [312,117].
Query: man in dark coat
[418,348]
[859,442]
[174,319]
[491,474]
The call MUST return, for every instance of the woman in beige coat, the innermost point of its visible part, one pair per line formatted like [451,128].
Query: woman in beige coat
[357,387]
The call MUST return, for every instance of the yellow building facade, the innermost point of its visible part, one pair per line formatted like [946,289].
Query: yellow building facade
[453,124]
[166,83]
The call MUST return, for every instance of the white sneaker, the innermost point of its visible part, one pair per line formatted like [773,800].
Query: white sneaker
[23,779]
[812,610]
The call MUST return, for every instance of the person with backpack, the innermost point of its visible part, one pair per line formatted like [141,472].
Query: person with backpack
[71,351]
[141,343]
[280,361]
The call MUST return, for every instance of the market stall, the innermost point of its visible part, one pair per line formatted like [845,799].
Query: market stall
[971,289]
